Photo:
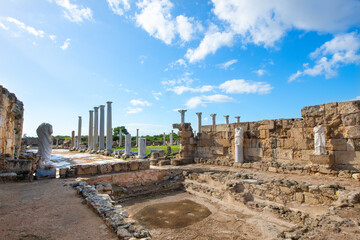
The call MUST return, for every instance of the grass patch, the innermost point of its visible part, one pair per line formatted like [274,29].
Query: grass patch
[174,148]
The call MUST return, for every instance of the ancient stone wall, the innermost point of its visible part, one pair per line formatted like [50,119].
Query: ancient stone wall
[290,141]
[11,123]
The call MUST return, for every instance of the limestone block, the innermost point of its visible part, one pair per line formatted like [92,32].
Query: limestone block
[223,142]
[331,109]
[310,198]
[185,134]
[336,144]
[297,133]
[134,165]
[349,107]
[349,120]
[264,134]
[104,168]
[352,131]
[204,143]
[254,152]
[221,127]
[86,169]
[299,197]
[272,169]
[144,165]
[322,159]
[313,111]
[217,150]
[287,154]
[356,176]
[347,157]
[267,125]
[120,167]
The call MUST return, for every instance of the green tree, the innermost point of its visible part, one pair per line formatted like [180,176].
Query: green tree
[116,130]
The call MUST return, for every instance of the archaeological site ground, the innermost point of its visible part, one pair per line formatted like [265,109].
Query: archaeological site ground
[272,179]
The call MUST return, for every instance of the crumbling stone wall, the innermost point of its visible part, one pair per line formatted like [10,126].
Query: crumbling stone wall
[290,141]
[11,123]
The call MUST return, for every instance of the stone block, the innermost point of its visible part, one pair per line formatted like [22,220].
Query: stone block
[286,154]
[185,134]
[297,133]
[104,168]
[134,165]
[349,120]
[322,159]
[120,167]
[347,158]
[254,152]
[223,142]
[264,134]
[87,169]
[267,125]
[336,144]
[331,109]
[310,198]
[352,132]
[313,111]
[143,165]
[204,143]
[217,150]
[299,197]
[349,107]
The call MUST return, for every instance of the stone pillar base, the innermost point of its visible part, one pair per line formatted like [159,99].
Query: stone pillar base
[326,160]
[181,161]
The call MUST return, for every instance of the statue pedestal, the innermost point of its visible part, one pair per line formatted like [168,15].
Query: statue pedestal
[45,173]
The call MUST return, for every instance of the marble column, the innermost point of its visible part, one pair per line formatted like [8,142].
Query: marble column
[182,115]
[142,148]
[172,137]
[226,119]
[120,137]
[72,140]
[127,145]
[239,138]
[75,142]
[213,120]
[237,119]
[91,130]
[102,128]
[108,128]
[164,139]
[96,129]
[137,137]
[199,121]
[79,134]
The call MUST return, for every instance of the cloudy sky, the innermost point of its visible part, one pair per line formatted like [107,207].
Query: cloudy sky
[258,59]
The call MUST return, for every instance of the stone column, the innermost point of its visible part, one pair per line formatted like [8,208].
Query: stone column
[72,145]
[237,119]
[199,121]
[137,137]
[172,137]
[127,145]
[182,116]
[91,130]
[319,140]
[96,129]
[120,137]
[226,119]
[102,128]
[79,134]
[213,120]
[142,148]
[164,139]
[239,138]
[108,129]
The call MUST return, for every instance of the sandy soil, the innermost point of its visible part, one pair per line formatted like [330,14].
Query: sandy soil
[224,222]
[46,209]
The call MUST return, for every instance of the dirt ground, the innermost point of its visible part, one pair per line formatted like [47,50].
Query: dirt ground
[46,210]
[224,222]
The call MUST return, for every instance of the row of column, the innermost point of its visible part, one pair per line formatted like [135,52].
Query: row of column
[96,135]
[213,116]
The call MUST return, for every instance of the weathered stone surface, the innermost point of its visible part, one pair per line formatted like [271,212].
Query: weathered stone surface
[352,132]
[88,169]
[322,159]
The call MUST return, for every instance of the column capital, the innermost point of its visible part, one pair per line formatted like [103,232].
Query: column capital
[108,102]
[199,113]
[96,108]
[226,116]
[182,110]
[213,115]
[91,111]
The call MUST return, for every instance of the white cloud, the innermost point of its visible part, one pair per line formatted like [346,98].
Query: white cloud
[131,110]
[66,44]
[3,26]
[23,26]
[213,40]
[185,27]
[343,49]
[203,100]
[52,37]
[243,86]
[73,12]
[227,64]
[156,95]
[139,102]
[156,19]
[142,59]
[181,89]
[357,98]
[260,72]
[181,80]
[119,6]
[180,62]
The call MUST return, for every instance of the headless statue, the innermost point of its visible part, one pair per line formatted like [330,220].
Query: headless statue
[319,140]
[239,138]
[44,132]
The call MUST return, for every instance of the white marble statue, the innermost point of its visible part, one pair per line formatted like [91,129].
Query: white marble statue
[239,138]
[44,132]
[319,140]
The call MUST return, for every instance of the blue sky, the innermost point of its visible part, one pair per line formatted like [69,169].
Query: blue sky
[258,59]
